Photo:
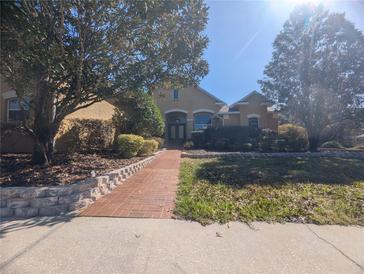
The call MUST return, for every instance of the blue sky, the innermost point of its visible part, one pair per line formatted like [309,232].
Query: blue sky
[241,34]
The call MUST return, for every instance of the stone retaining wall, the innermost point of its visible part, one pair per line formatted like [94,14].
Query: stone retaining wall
[342,154]
[28,202]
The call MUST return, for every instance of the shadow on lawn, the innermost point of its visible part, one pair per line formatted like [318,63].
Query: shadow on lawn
[239,172]
[9,225]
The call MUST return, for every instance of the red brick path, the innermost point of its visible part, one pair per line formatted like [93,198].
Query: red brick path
[150,193]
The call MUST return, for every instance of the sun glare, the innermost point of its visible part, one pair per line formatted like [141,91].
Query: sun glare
[315,2]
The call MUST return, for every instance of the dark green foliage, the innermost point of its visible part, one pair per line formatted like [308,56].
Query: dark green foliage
[136,113]
[247,147]
[198,139]
[291,138]
[225,138]
[268,141]
[316,75]
[67,55]
[85,135]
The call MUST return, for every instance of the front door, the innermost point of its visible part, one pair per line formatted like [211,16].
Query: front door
[176,133]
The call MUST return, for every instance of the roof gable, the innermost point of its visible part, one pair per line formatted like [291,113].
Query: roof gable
[251,96]
[217,100]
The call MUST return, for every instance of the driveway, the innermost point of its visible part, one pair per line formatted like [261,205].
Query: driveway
[130,245]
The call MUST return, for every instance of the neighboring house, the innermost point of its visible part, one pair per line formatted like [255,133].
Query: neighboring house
[194,109]
[11,115]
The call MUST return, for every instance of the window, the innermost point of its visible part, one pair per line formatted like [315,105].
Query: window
[202,121]
[253,122]
[15,113]
[175,95]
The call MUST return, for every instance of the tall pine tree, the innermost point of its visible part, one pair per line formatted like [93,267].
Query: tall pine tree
[316,73]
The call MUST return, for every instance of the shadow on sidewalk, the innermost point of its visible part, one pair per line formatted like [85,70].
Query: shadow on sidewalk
[15,224]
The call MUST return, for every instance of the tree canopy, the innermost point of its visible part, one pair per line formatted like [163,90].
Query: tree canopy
[68,54]
[316,74]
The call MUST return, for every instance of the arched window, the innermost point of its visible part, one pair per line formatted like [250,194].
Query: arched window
[253,122]
[202,121]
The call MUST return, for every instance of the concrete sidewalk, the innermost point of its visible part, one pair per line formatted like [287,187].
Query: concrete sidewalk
[122,245]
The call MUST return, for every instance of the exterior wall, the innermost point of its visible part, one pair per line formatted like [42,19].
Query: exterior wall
[256,106]
[15,142]
[191,100]
[232,120]
[101,110]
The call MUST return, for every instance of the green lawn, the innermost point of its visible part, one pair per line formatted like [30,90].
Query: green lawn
[311,190]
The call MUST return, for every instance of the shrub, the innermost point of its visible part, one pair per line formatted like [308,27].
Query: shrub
[129,145]
[199,139]
[247,147]
[160,141]
[188,145]
[148,147]
[292,138]
[225,138]
[137,113]
[268,141]
[331,144]
[85,135]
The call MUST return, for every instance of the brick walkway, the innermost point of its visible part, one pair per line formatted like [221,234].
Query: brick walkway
[150,193]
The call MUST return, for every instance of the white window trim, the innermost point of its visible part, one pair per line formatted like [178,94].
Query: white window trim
[253,115]
[203,110]
[172,94]
[8,110]
[9,94]
[175,110]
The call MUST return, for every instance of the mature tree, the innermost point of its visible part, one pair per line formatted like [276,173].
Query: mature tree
[316,73]
[60,56]
[137,113]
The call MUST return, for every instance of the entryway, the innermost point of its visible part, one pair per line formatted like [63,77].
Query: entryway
[176,128]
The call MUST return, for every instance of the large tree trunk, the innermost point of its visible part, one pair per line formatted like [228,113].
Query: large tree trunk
[313,143]
[45,126]
[42,151]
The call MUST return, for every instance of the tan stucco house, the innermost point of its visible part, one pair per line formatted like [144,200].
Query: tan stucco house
[193,109]
[184,111]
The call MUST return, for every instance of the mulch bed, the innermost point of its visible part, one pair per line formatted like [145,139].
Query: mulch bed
[17,170]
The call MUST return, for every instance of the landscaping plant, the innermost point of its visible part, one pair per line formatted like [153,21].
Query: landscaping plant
[148,147]
[129,145]
[137,113]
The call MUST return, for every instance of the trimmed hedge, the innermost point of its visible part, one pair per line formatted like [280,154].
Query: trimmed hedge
[230,138]
[148,147]
[85,135]
[129,145]
[243,138]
